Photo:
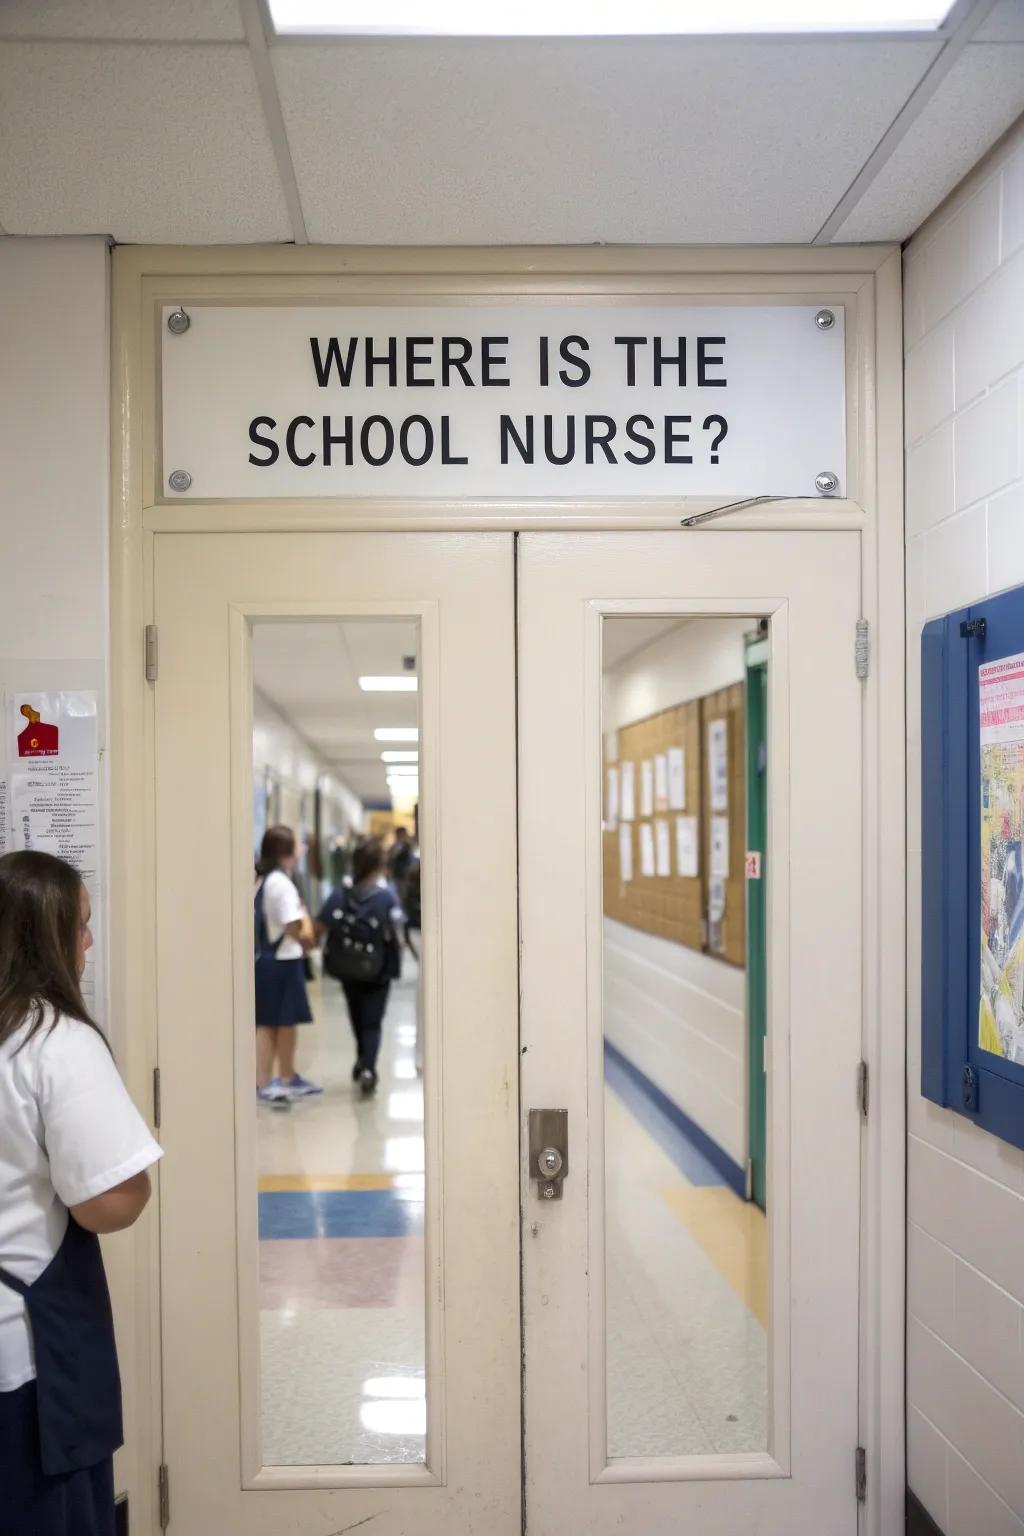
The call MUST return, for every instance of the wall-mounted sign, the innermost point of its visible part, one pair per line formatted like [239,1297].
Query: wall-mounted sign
[534,399]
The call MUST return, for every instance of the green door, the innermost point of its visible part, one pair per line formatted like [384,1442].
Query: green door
[757,826]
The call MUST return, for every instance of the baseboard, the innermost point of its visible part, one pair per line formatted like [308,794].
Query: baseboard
[732,1173]
[919,1521]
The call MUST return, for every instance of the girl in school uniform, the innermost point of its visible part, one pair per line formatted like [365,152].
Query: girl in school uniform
[283,935]
[73,1157]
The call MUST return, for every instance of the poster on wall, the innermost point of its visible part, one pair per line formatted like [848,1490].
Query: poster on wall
[663,848]
[625,852]
[647,788]
[676,779]
[50,797]
[1001,737]
[718,764]
[720,847]
[661,782]
[551,400]
[628,788]
[647,850]
[611,813]
[687,845]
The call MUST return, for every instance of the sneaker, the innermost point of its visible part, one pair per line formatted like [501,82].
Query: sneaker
[367,1082]
[274,1095]
[300,1087]
[357,1071]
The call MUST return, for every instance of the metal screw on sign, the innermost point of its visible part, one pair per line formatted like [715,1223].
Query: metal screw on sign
[827,483]
[178,321]
[824,319]
[179,480]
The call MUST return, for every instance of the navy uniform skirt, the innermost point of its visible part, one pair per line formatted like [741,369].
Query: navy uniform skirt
[281,998]
[77,1504]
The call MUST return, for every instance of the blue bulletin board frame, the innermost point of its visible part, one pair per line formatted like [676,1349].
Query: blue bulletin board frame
[955,1071]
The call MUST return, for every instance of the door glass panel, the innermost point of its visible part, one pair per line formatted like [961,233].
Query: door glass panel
[339,1099]
[685,775]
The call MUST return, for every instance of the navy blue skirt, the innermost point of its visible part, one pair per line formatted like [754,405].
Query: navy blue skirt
[281,997]
[77,1504]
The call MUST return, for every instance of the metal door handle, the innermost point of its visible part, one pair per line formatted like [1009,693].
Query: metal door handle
[549,1151]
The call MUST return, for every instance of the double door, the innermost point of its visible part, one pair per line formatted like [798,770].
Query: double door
[587,1326]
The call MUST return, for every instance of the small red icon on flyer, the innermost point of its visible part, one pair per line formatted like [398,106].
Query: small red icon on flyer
[753,866]
[37,739]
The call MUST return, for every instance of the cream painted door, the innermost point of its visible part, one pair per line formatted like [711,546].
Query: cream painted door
[209,592]
[642,1359]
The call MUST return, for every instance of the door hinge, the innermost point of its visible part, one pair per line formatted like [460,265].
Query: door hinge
[862,1087]
[975,628]
[860,1474]
[969,1087]
[152,658]
[163,1486]
[862,648]
[157,1106]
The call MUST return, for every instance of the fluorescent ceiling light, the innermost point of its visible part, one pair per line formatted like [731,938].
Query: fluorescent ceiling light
[399,757]
[602,18]
[396,733]
[406,684]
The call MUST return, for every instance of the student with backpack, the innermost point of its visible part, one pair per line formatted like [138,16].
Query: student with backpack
[361,924]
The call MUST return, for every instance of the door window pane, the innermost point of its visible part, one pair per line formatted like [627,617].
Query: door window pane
[685,774]
[338,1087]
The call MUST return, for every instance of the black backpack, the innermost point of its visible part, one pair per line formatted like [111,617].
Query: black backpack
[355,947]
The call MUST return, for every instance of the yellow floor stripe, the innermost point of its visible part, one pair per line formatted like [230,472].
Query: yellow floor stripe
[733,1234]
[320,1182]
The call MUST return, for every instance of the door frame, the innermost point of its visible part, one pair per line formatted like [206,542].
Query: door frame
[867,280]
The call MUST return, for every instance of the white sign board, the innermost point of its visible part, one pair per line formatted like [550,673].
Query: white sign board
[513,401]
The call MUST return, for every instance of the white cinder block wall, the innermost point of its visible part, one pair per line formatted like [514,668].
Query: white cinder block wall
[678,1015]
[964,309]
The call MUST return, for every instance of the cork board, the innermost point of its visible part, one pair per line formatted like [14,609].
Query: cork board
[671,906]
[726,936]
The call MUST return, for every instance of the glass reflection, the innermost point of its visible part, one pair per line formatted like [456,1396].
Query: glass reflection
[339,1099]
[685,774]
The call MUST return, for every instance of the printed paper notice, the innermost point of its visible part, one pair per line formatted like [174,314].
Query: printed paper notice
[611,810]
[625,851]
[647,788]
[661,782]
[663,847]
[718,764]
[627,808]
[646,849]
[687,846]
[720,847]
[5,819]
[676,779]
[1001,737]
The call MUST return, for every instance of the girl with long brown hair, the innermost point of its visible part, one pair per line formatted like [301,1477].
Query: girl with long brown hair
[73,1158]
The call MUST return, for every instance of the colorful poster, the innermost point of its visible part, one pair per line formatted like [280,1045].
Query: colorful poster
[661,782]
[718,764]
[663,848]
[611,810]
[1001,737]
[676,779]
[625,851]
[687,847]
[647,788]
[646,849]
[627,809]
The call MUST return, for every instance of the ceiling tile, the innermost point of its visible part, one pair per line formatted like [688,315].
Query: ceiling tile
[149,143]
[462,141]
[148,20]
[978,100]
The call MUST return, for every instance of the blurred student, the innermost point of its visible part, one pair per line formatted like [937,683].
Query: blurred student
[403,859]
[74,1152]
[362,925]
[283,936]
[413,922]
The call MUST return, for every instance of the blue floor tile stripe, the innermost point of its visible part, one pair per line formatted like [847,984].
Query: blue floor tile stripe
[338,1213]
[698,1158]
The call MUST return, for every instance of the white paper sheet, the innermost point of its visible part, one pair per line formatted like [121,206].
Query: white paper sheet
[627,808]
[663,847]
[625,851]
[676,779]
[611,806]
[647,788]
[687,847]
[661,782]
[646,849]
[5,819]
[720,847]
[718,764]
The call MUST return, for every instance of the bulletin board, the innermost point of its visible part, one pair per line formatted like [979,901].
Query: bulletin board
[672,905]
[725,811]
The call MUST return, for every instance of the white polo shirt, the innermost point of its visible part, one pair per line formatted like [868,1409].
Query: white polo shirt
[68,1132]
[282,905]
